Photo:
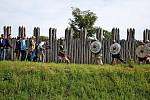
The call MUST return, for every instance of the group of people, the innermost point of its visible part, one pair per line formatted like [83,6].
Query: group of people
[145,52]
[35,51]
[115,56]
[32,52]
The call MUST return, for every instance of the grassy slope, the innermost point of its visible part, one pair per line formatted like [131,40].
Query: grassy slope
[26,80]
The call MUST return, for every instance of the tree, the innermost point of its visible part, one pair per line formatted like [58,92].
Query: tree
[43,38]
[83,19]
[107,35]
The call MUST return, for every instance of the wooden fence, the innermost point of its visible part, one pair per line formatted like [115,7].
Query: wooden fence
[79,49]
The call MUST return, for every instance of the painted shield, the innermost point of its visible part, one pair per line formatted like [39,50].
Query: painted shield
[148,47]
[141,51]
[95,46]
[115,48]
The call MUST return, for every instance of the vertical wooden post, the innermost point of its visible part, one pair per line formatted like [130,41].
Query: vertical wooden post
[19,31]
[5,32]
[78,50]
[50,44]
[83,33]
[67,40]
[130,48]
[146,35]
[36,33]
[84,46]
[117,34]
[113,34]
[71,52]
[55,45]
[99,34]
[149,35]
[22,31]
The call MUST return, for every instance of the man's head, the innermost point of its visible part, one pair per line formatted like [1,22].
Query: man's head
[2,36]
[18,38]
[33,37]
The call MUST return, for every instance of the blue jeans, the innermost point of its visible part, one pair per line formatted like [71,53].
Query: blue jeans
[33,55]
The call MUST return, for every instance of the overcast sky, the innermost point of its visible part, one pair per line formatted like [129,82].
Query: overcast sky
[56,13]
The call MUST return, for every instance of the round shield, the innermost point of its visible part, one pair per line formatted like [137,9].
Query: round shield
[148,47]
[141,51]
[95,46]
[115,48]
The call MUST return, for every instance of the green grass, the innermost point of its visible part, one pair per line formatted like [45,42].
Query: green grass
[45,81]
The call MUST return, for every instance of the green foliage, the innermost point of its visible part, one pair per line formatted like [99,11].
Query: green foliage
[107,35]
[83,19]
[44,81]
[43,38]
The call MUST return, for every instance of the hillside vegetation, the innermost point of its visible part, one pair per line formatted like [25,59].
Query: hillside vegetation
[44,81]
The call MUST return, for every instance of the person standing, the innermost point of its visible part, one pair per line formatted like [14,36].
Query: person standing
[98,58]
[116,56]
[23,48]
[41,47]
[7,47]
[62,57]
[17,49]
[31,54]
[1,47]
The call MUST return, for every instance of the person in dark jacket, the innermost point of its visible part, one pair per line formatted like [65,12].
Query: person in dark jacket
[116,57]
[7,47]
[1,46]
[17,49]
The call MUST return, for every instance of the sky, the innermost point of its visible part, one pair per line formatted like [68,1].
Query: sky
[122,14]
